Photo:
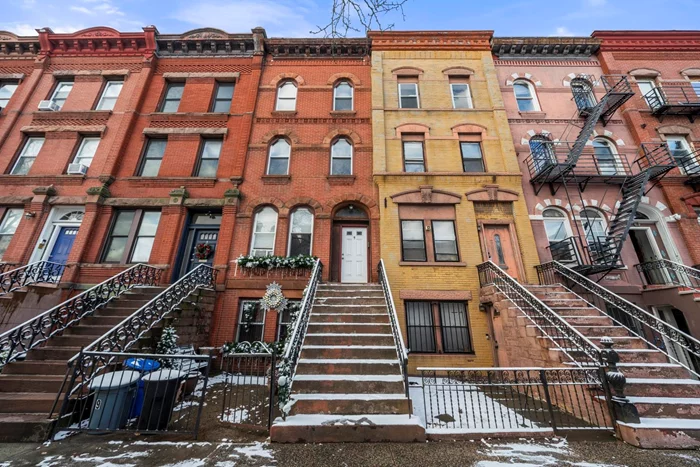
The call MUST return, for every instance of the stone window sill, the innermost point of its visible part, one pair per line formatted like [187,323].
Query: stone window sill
[433,264]
[533,114]
[340,179]
[343,113]
[284,113]
[276,179]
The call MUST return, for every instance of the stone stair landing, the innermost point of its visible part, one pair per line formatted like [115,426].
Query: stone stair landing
[348,385]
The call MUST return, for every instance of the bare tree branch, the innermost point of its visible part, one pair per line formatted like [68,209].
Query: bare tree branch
[359,16]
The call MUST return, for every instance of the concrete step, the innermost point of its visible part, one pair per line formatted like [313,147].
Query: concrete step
[351,299]
[115,312]
[591,331]
[72,341]
[348,308]
[345,328]
[568,302]
[667,407]
[27,402]
[31,383]
[24,427]
[657,387]
[110,321]
[350,404]
[589,320]
[128,302]
[52,353]
[559,294]
[546,289]
[575,311]
[348,352]
[662,433]
[325,293]
[650,370]
[348,317]
[626,355]
[625,342]
[349,339]
[87,330]
[350,428]
[348,384]
[347,367]
[36,367]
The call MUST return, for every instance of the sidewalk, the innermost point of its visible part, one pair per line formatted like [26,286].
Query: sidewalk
[110,451]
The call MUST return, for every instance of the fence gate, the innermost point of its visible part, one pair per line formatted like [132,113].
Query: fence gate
[249,398]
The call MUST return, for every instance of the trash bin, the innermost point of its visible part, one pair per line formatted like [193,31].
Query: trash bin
[160,396]
[114,396]
[144,366]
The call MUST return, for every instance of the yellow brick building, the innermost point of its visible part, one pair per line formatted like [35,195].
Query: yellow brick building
[449,189]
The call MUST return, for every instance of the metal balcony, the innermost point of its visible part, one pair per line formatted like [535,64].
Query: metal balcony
[617,91]
[674,99]
[658,159]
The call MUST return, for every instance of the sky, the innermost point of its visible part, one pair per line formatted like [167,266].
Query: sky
[296,18]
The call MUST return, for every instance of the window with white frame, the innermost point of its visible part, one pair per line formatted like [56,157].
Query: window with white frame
[7,89]
[413,154]
[606,157]
[264,232]
[542,150]
[110,94]
[8,226]
[593,224]
[695,83]
[408,96]
[445,241]
[286,97]
[556,226]
[682,153]
[413,241]
[301,232]
[278,161]
[461,96]
[341,157]
[28,155]
[60,93]
[472,159]
[86,150]
[525,96]
[342,96]
[251,322]
[649,92]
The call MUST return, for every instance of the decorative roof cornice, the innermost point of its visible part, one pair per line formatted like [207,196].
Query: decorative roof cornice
[17,46]
[431,40]
[99,41]
[545,47]
[648,41]
[317,47]
[210,42]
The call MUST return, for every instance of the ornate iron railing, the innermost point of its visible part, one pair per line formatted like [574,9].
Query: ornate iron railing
[679,347]
[566,250]
[401,349]
[665,272]
[33,273]
[26,336]
[4,267]
[577,347]
[292,348]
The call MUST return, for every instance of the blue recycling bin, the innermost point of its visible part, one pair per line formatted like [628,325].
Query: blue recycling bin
[144,366]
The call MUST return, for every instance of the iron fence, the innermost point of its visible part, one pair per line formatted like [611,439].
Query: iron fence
[45,272]
[515,399]
[106,392]
[249,389]
[665,272]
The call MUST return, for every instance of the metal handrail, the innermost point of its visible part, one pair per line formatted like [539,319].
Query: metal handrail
[33,273]
[401,349]
[686,277]
[530,305]
[632,312]
[33,332]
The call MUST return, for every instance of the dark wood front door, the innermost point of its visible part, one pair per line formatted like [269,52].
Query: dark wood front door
[199,236]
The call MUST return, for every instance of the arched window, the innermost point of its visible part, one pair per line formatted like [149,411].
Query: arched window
[606,157]
[286,96]
[301,232]
[525,96]
[342,96]
[278,161]
[556,225]
[264,232]
[593,223]
[341,157]
[542,149]
[582,90]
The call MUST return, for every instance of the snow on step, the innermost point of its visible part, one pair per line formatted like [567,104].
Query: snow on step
[382,378]
[351,420]
[349,324]
[343,397]
[665,400]
[348,314]
[347,346]
[346,334]
[665,423]
[633,364]
[661,381]
[343,361]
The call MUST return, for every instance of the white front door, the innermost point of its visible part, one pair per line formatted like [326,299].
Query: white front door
[353,267]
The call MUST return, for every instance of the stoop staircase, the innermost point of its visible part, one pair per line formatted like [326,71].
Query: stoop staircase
[348,384]
[28,387]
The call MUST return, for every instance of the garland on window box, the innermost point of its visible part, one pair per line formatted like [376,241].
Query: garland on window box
[277,262]
[202,251]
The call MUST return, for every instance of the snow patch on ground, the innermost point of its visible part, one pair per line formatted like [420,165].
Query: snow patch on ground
[530,453]
[187,463]
[237,415]
[101,461]
[258,449]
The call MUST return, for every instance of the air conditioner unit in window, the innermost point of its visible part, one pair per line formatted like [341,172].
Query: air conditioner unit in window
[77,169]
[50,106]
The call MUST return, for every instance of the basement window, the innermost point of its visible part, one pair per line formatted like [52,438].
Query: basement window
[438,327]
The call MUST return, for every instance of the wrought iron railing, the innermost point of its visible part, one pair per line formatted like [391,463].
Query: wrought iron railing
[589,164]
[673,99]
[40,272]
[577,347]
[292,349]
[4,267]
[401,349]
[249,389]
[665,272]
[566,250]
[679,347]
[19,340]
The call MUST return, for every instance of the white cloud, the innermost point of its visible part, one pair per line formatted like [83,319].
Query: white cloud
[81,9]
[563,31]
[280,18]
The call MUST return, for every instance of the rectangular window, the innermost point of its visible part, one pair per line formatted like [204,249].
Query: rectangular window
[420,327]
[209,158]
[132,236]
[695,84]
[86,151]
[445,241]
[413,241]
[152,157]
[60,93]
[223,97]
[472,159]
[173,95]
[461,97]
[26,158]
[437,327]
[7,89]
[455,328]
[284,320]
[109,95]
[408,96]
[251,322]
[8,226]
[413,158]
[648,91]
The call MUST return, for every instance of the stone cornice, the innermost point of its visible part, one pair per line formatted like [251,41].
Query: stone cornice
[317,47]
[13,45]
[545,47]
[205,42]
[98,41]
[431,40]
[648,41]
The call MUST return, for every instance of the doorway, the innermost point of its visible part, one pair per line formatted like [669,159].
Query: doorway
[675,318]
[350,245]
[201,237]
[58,235]
[498,245]
[649,246]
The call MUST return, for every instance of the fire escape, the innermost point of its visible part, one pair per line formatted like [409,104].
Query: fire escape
[573,165]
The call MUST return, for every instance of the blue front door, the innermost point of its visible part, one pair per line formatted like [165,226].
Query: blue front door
[64,242]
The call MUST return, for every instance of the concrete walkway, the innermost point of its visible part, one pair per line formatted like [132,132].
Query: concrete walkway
[88,451]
